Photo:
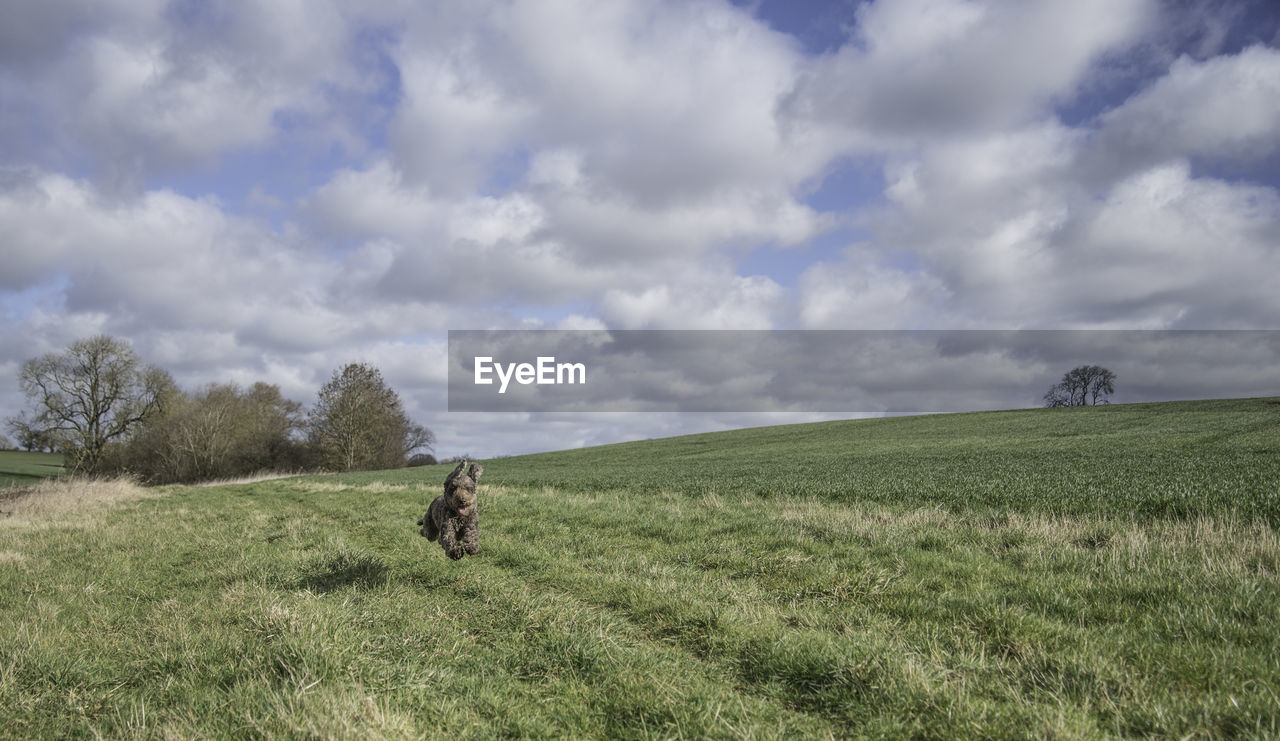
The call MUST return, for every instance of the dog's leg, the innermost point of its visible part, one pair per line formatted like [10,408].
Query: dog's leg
[429,529]
[471,537]
[449,539]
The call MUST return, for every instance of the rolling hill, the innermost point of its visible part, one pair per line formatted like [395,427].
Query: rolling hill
[1070,573]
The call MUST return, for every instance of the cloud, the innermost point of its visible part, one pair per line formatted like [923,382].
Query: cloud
[663,101]
[1170,250]
[134,90]
[863,292]
[1223,108]
[555,240]
[168,263]
[624,152]
[626,165]
[974,217]
[637,132]
[937,67]
[696,300]
[1010,230]
[35,33]
[206,295]
[174,259]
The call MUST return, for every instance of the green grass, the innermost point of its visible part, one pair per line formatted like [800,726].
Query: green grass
[1182,459]
[21,469]
[939,577]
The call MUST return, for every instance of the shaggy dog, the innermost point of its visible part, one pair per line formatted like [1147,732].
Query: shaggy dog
[452,515]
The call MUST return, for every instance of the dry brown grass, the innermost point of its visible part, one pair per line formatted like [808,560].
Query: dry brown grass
[1226,546]
[251,478]
[54,499]
[373,487]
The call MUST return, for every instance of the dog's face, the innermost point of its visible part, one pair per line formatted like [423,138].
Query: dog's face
[460,488]
[462,497]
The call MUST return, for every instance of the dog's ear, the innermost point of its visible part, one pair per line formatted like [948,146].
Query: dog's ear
[475,471]
[456,472]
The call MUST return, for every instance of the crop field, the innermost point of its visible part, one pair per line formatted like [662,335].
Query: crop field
[1061,573]
[21,469]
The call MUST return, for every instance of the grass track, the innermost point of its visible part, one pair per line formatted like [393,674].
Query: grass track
[673,606]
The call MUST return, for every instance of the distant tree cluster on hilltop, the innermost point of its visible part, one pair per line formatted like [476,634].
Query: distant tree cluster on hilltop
[1085,385]
[108,413]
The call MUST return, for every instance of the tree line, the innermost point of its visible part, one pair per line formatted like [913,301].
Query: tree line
[107,412]
[1084,385]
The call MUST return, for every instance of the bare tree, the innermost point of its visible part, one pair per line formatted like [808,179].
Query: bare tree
[418,437]
[358,423]
[1082,386]
[30,439]
[94,392]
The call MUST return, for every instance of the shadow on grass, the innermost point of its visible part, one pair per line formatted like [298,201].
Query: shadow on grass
[456,584]
[344,570]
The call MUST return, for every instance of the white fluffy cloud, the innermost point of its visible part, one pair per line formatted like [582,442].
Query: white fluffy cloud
[1010,231]
[921,68]
[978,214]
[136,89]
[1225,108]
[198,287]
[648,142]
[662,101]
[172,259]
[1169,250]
[696,301]
[861,292]
[512,163]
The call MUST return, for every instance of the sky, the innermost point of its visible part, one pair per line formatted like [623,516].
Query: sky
[267,191]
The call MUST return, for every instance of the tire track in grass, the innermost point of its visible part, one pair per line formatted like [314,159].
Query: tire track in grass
[563,639]
[628,674]
[832,668]
[842,680]
[568,657]
[711,582]
[566,653]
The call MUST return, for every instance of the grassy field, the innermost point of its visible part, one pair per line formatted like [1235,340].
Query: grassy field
[1049,573]
[22,469]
